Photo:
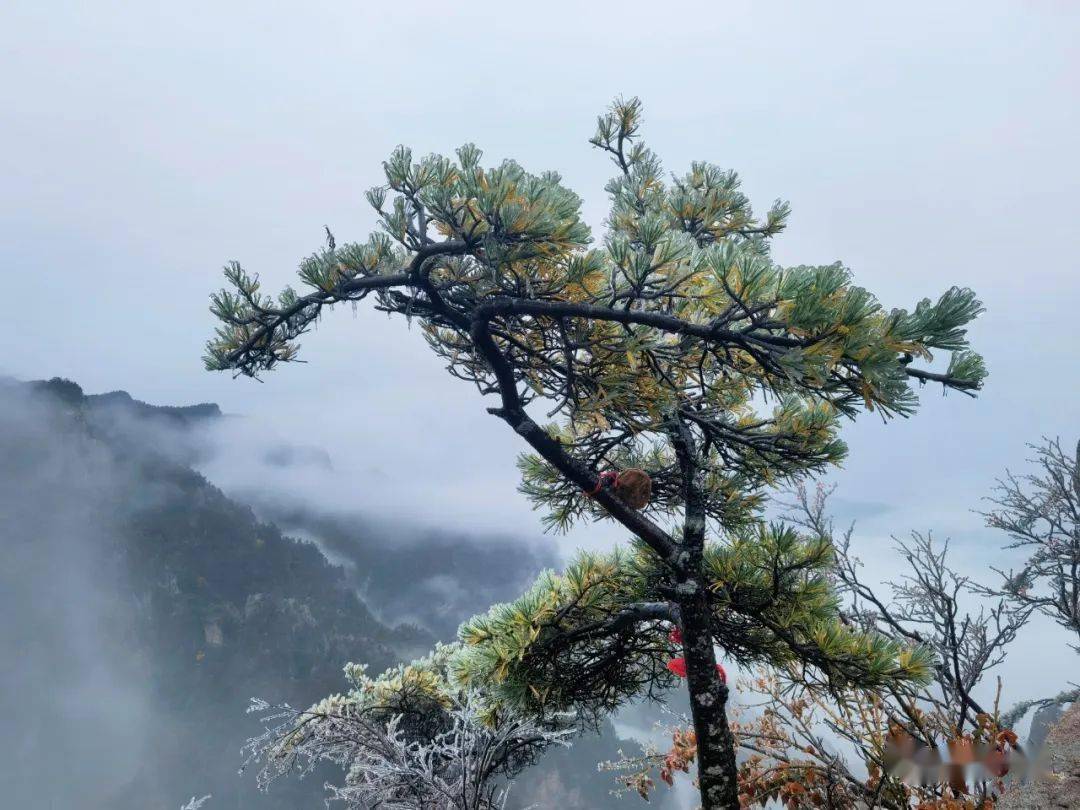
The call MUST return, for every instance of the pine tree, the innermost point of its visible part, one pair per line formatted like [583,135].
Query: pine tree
[677,349]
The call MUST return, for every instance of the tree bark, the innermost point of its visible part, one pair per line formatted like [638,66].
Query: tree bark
[717,772]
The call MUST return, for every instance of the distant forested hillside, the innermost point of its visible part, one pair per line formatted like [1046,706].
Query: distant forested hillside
[142,607]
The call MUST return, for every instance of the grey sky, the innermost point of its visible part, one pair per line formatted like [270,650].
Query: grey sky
[143,145]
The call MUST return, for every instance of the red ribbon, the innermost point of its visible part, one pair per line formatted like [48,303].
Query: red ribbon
[678,667]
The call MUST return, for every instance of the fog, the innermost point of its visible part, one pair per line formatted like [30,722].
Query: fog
[433,572]
[144,145]
[75,700]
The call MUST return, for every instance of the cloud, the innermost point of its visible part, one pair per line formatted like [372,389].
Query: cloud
[77,700]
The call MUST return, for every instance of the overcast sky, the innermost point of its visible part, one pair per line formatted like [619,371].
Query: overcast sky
[142,145]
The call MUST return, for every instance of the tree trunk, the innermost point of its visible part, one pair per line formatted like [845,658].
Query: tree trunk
[717,773]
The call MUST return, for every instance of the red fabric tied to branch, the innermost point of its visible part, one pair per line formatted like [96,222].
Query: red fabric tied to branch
[678,667]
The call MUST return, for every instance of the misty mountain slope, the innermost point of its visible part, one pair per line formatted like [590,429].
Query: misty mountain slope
[74,698]
[141,607]
[435,579]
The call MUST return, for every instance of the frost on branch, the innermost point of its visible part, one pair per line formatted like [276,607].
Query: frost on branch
[405,749]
